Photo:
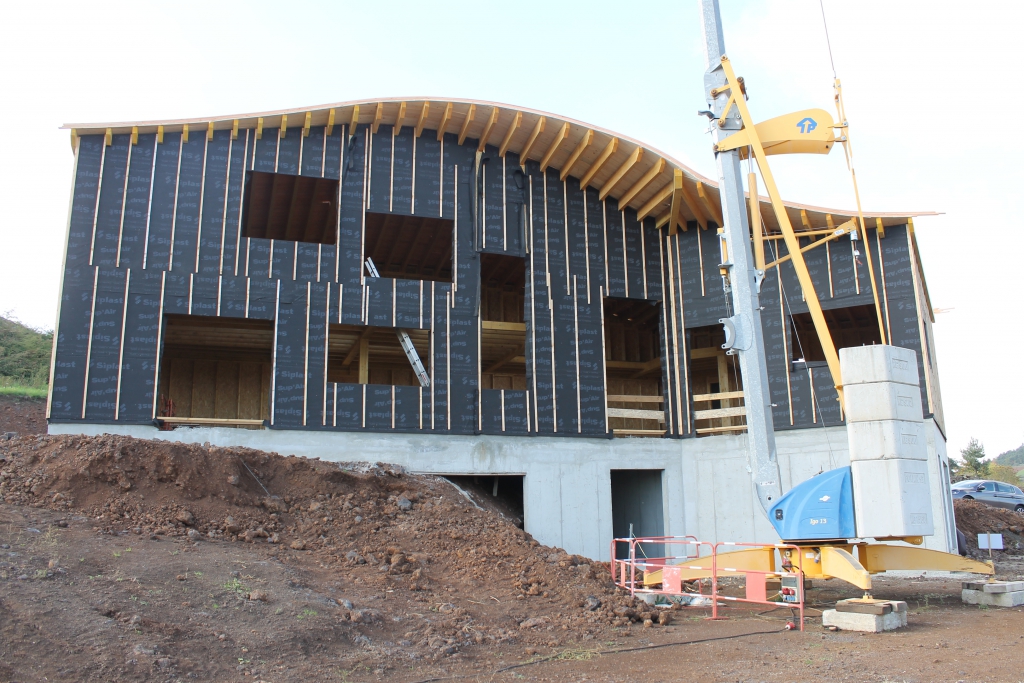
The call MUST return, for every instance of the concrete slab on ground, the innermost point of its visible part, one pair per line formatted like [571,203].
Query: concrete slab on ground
[867,623]
[973,597]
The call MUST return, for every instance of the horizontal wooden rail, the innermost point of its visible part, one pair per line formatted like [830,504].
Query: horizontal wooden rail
[619,398]
[637,414]
[709,352]
[213,421]
[633,365]
[719,412]
[495,325]
[638,432]
[725,395]
[715,430]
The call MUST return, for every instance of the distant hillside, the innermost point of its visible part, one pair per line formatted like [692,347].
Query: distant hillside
[24,355]
[1012,458]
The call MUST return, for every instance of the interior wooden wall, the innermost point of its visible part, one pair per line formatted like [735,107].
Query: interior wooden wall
[633,343]
[215,389]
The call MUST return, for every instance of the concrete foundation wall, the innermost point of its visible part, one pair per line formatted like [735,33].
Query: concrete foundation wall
[567,497]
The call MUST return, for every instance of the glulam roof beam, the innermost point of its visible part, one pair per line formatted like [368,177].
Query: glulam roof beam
[603,157]
[421,122]
[538,128]
[486,134]
[626,166]
[399,118]
[506,140]
[559,138]
[464,130]
[446,116]
[639,186]
[581,147]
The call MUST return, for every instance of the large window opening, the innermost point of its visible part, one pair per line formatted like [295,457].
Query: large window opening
[715,383]
[410,247]
[501,493]
[215,371]
[374,355]
[503,326]
[290,207]
[853,326]
[632,345]
[637,511]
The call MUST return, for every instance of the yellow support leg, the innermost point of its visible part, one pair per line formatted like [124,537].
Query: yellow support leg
[840,564]
[881,557]
[736,563]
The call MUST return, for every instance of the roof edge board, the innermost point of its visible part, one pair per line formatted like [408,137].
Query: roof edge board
[554,121]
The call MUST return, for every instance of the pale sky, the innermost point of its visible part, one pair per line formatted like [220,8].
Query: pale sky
[930,92]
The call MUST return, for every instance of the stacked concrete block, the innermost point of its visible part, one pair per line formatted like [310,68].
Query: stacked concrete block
[888,447]
[993,593]
[874,617]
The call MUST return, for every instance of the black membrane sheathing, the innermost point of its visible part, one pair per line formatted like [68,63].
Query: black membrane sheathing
[155,229]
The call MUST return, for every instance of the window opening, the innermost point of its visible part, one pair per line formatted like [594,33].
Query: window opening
[216,370]
[290,207]
[715,383]
[360,354]
[410,247]
[852,326]
[633,379]
[503,323]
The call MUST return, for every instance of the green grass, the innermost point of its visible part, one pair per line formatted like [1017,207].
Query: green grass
[24,359]
[22,391]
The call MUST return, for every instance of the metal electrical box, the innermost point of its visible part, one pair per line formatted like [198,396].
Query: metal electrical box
[792,589]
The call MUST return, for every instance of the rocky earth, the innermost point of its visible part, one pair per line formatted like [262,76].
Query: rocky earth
[387,543]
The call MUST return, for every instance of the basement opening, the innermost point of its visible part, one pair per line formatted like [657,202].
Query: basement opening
[501,493]
[215,371]
[290,207]
[410,247]
[637,510]
[852,326]
[503,323]
[632,344]
[373,355]
[716,383]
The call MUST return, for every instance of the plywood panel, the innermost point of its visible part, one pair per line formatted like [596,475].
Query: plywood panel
[180,393]
[204,388]
[250,391]
[265,395]
[226,401]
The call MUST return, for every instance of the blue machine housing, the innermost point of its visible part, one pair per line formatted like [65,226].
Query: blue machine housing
[818,509]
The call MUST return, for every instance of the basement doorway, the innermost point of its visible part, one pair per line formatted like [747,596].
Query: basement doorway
[638,510]
[501,493]
[215,371]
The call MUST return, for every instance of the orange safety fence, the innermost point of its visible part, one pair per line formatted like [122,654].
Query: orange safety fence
[629,573]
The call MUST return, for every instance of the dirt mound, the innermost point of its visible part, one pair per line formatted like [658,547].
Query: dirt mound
[975,518]
[395,530]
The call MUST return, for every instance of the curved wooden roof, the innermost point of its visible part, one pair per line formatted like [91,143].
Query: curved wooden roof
[618,166]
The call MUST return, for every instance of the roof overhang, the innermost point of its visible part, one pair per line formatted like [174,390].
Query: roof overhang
[619,167]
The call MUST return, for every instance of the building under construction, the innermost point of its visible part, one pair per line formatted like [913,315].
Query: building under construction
[251,280]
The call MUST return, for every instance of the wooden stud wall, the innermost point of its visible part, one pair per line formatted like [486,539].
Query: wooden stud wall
[155,229]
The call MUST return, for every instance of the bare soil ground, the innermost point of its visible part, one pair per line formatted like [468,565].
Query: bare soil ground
[22,415]
[131,560]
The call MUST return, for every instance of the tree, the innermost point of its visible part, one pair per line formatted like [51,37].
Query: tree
[1003,473]
[972,465]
